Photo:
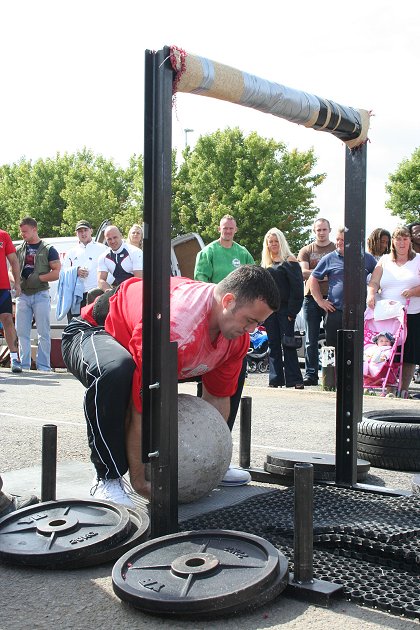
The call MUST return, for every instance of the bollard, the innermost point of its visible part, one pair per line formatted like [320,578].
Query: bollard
[301,582]
[245,432]
[328,368]
[49,462]
[303,538]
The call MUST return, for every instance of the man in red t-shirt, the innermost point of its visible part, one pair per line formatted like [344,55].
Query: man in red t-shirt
[209,322]
[8,253]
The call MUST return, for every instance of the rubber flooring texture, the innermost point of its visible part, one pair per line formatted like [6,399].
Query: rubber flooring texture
[369,543]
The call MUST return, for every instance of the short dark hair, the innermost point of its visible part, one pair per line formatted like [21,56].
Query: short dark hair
[323,221]
[92,294]
[101,306]
[249,283]
[28,221]
[411,225]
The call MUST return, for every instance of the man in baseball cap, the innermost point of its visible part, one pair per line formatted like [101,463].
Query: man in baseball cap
[84,256]
[83,224]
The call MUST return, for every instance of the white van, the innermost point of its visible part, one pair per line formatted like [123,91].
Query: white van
[183,253]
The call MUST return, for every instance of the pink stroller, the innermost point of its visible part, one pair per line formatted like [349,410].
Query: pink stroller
[382,366]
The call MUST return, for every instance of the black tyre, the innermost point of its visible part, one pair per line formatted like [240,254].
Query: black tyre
[390,439]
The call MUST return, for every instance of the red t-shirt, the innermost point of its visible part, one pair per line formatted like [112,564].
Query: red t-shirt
[219,363]
[6,248]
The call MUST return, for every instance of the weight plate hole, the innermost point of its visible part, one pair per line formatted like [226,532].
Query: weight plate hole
[57,522]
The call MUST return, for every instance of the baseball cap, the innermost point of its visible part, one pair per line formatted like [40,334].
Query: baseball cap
[83,224]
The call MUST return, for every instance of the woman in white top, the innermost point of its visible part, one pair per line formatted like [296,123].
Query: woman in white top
[397,275]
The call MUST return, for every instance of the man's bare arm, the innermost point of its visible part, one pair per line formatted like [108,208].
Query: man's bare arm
[306,272]
[102,283]
[316,294]
[221,404]
[50,276]
[15,269]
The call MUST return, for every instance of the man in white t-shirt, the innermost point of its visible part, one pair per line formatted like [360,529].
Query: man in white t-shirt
[85,257]
[121,260]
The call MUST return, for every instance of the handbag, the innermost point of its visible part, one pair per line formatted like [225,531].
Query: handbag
[292,342]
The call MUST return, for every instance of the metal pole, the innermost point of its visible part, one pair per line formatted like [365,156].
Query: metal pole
[160,404]
[350,349]
[49,462]
[346,410]
[245,432]
[303,538]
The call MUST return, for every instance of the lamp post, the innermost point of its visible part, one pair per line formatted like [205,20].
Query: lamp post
[186,132]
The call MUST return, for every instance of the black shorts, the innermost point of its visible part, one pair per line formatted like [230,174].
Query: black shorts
[5,301]
[412,343]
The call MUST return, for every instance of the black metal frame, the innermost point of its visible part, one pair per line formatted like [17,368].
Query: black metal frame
[159,355]
[160,384]
[349,361]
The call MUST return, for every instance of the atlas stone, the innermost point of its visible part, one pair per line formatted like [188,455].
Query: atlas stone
[204,448]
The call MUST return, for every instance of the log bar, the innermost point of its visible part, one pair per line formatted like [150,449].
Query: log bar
[197,75]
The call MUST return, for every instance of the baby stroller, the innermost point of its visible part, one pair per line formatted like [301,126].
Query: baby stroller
[383,369]
[258,352]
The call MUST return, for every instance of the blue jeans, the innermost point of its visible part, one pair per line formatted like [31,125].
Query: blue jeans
[34,306]
[284,362]
[313,315]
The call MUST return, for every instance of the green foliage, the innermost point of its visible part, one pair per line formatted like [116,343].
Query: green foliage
[404,189]
[58,192]
[255,179]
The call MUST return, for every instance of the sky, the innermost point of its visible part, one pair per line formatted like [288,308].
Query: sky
[73,76]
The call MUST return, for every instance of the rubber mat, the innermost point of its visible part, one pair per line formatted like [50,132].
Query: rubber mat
[367,542]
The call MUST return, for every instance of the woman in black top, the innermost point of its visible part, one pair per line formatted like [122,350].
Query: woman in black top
[286,271]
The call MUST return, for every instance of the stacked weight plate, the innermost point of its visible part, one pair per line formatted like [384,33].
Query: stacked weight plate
[201,574]
[282,463]
[70,533]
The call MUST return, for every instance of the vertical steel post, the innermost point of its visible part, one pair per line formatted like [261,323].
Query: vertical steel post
[350,349]
[304,535]
[160,404]
[346,428]
[49,462]
[245,432]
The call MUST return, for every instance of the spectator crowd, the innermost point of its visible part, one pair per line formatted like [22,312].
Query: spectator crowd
[212,314]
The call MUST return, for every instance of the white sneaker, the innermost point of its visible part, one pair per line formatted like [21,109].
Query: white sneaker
[114,490]
[235,477]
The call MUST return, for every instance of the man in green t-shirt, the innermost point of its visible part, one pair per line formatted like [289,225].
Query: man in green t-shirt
[220,257]
[214,262]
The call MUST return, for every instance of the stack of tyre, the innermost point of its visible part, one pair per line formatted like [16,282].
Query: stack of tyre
[390,439]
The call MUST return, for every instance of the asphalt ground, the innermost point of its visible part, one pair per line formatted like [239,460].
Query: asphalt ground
[281,419]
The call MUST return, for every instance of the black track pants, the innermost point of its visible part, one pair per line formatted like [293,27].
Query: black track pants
[106,369]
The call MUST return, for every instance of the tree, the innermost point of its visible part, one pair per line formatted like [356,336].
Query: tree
[253,178]
[404,189]
[94,189]
[59,191]
[132,208]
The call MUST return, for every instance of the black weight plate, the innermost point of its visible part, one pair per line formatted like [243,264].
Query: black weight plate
[319,475]
[138,533]
[49,533]
[320,461]
[203,573]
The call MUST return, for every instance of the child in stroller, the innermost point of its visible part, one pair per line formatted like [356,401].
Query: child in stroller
[384,336]
[380,353]
[258,352]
